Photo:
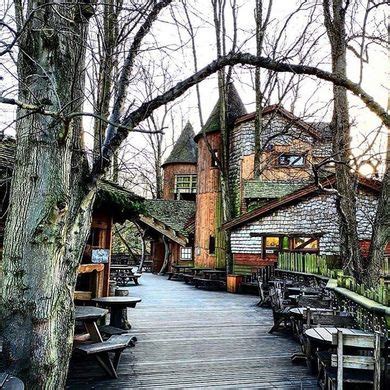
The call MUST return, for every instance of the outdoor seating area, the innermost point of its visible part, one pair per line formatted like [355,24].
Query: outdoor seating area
[105,342]
[339,345]
[213,279]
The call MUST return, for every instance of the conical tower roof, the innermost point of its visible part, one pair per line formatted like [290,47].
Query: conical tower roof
[235,109]
[185,149]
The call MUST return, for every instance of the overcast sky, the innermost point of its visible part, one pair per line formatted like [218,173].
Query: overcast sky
[175,54]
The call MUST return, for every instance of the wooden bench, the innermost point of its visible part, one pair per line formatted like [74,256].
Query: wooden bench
[188,278]
[115,344]
[209,283]
[364,369]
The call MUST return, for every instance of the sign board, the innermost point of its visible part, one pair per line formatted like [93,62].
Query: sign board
[100,255]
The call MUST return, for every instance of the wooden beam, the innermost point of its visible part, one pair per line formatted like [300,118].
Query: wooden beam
[167,232]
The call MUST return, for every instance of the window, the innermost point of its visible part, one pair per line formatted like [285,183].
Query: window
[185,184]
[212,245]
[272,242]
[214,158]
[185,253]
[271,245]
[305,244]
[291,160]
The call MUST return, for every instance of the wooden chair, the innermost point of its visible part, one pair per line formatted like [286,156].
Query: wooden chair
[280,310]
[355,369]
[264,297]
[116,344]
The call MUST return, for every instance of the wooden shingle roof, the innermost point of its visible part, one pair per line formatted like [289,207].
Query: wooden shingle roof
[177,214]
[295,197]
[235,109]
[185,149]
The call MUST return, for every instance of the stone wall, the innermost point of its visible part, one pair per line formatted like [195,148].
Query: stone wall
[316,216]
[284,137]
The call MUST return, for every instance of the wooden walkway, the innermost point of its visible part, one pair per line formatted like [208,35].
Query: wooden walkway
[190,338]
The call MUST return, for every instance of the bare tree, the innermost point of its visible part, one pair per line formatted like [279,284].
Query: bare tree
[53,188]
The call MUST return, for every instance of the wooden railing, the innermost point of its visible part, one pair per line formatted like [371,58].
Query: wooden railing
[379,293]
[314,264]
[309,263]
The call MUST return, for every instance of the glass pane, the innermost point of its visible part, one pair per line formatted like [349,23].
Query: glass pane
[285,243]
[272,242]
[301,240]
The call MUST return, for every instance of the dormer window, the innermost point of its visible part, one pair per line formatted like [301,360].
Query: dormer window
[185,186]
[291,160]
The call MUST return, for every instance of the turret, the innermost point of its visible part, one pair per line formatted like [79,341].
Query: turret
[180,168]
[209,239]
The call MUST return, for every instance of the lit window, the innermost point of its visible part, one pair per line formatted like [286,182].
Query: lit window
[186,253]
[185,184]
[291,160]
[271,242]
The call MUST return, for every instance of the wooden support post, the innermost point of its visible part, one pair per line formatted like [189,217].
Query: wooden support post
[339,360]
[377,361]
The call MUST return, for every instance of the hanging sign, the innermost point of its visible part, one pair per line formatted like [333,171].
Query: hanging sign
[100,256]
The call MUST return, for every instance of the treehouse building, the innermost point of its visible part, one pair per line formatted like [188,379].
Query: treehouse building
[113,204]
[277,206]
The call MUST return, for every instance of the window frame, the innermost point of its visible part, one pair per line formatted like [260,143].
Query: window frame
[291,237]
[214,158]
[299,156]
[186,248]
[193,180]
[212,245]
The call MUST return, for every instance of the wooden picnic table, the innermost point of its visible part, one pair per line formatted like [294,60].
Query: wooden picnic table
[287,282]
[214,272]
[320,339]
[304,290]
[123,273]
[118,309]
[295,297]
[101,348]
[182,268]
[10,382]
[323,335]
[300,311]
[89,315]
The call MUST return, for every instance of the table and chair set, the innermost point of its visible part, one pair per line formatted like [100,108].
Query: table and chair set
[104,342]
[332,345]
[199,277]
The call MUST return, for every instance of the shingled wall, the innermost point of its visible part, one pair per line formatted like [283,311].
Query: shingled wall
[312,216]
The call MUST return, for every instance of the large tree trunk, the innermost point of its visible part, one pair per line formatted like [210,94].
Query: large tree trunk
[381,227]
[50,209]
[346,181]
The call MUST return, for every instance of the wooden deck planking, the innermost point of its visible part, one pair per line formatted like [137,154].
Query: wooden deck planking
[190,338]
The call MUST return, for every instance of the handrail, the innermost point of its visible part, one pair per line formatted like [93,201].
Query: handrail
[359,299]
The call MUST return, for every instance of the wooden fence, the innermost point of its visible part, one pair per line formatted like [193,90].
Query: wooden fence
[314,264]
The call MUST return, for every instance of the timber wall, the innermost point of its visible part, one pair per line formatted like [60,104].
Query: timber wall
[170,170]
[208,207]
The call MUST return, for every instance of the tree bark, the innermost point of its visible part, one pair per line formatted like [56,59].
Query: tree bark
[381,228]
[50,208]
[346,181]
